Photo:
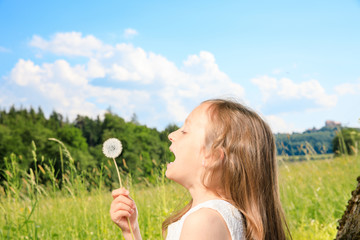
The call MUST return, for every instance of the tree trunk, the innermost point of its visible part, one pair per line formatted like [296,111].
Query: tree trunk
[349,224]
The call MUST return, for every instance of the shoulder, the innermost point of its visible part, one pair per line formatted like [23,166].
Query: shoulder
[205,223]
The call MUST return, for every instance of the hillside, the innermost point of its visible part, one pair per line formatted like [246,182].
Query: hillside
[311,141]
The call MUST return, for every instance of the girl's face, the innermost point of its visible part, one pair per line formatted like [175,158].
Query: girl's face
[189,148]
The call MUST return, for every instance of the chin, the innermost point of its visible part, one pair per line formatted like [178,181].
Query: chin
[170,176]
[167,175]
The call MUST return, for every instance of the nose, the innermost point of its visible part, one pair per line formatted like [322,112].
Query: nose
[171,137]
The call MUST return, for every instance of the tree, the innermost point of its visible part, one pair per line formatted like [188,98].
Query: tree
[347,141]
[73,137]
[349,227]
[91,129]
[134,119]
[55,121]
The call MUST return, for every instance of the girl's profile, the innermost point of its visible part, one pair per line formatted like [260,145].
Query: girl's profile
[225,157]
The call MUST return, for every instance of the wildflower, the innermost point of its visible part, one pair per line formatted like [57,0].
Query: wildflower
[112,148]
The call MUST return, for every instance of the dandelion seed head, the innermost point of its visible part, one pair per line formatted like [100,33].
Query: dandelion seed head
[112,148]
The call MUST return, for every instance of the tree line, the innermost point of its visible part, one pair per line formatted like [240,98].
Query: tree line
[145,149]
[315,141]
[326,140]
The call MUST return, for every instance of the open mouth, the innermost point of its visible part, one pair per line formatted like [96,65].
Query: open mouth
[170,163]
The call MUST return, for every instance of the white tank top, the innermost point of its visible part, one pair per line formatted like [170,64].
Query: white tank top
[231,215]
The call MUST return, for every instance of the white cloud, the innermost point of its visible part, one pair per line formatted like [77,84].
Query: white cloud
[25,72]
[129,33]
[348,88]
[267,86]
[286,89]
[95,69]
[279,125]
[67,90]
[210,80]
[71,44]
[133,64]
[122,74]
[143,82]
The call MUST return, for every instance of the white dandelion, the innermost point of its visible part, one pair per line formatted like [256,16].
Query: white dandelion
[112,148]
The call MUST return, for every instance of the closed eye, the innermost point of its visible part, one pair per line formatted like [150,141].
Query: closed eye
[184,129]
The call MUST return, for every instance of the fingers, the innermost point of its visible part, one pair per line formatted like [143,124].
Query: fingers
[119,191]
[122,200]
[122,205]
[120,219]
[117,215]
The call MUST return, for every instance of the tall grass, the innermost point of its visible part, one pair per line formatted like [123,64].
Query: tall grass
[76,205]
[315,193]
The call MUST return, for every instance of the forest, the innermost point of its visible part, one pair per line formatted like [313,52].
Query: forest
[22,129]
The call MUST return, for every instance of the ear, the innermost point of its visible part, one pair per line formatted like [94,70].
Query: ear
[220,154]
[217,154]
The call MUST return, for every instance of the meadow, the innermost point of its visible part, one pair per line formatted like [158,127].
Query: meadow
[314,194]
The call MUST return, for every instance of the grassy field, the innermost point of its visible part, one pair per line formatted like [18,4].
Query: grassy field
[314,195]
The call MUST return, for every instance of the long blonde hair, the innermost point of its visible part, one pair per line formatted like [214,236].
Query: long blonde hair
[247,168]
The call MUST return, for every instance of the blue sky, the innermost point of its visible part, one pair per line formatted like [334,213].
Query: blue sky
[296,63]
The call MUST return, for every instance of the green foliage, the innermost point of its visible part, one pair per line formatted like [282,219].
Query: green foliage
[18,128]
[91,129]
[145,149]
[308,142]
[73,137]
[347,141]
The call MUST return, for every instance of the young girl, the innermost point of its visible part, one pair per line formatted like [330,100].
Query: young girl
[225,157]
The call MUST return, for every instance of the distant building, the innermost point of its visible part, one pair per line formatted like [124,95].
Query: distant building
[332,124]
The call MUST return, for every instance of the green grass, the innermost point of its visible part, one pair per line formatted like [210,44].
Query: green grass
[314,195]
[299,158]
[85,216]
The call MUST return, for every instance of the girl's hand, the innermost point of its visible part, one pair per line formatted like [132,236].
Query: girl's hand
[123,207]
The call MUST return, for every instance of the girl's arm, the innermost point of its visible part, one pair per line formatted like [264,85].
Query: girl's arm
[123,207]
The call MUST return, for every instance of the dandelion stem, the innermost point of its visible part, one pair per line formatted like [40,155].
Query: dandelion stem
[118,173]
[132,234]
[128,220]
